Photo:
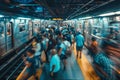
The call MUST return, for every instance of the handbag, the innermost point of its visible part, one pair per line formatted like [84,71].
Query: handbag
[43,57]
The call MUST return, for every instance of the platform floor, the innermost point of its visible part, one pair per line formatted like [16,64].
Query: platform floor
[77,69]
[72,71]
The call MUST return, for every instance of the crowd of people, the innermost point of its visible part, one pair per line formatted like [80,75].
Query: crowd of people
[54,45]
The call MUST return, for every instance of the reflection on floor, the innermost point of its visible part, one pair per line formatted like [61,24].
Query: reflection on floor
[86,67]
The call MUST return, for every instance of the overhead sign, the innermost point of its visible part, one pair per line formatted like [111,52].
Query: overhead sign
[57,19]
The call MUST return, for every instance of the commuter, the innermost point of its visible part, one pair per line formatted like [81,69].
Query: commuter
[102,65]
[93,45]
[55,65]
[62,51]
[72,40]
[34,43]
[79,43]
[37,47]
[51,45]
[58,41]
[30,64]
[45,42]
[44,45]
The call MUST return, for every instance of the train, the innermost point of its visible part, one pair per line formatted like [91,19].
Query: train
[107,32]
[15,31]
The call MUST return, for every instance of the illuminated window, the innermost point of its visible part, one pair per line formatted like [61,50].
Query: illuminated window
[21,27]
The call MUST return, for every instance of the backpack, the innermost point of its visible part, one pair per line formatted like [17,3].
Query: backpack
[68,50]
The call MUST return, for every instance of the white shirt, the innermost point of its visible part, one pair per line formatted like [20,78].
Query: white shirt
[64,45]
[67,43]
[37,50]
[55,60]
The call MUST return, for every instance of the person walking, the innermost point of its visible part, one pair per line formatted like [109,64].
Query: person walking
[79,44]
[54,65]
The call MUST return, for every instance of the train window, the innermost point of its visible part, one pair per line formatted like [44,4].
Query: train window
[96,31]
[30,25]
[8,28]
[21,27]
[2,29]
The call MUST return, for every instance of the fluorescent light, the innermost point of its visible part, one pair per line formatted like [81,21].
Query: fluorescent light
[107,14]
[1,15]
[110,14]
[12,20]
[85,17]
[88,17]
[22,18]
[118,12]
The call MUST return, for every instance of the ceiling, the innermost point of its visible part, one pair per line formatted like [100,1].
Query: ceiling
[66,9]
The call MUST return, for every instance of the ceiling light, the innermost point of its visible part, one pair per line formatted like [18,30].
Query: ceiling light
[108,14]
[22,18]
[1,15]
[85,17]
[118,12]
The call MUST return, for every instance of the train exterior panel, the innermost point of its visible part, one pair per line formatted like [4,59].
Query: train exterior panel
[15,32]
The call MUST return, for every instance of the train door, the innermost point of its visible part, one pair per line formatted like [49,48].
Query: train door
[30,28]
[86,30]
[9,34]
[36,27]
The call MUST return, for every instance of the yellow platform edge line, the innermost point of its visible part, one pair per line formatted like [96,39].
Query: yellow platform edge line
[86,68]
[38,73]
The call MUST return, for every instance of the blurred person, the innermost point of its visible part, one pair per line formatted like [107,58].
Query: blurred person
[51,45]
[62,51]
[44,45]
[55,65]
[45,42]
[38,52]
[37,47]
[30,64]
[34,43]
[79,44]
[102,64]
[93,44]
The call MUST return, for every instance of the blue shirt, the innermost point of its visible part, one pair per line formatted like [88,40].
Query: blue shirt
[32,68]
[64,48]
[105,63]
[55,60]
[79,40]
[44,42]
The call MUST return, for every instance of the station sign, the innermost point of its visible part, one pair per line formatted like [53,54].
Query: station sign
[57,19]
